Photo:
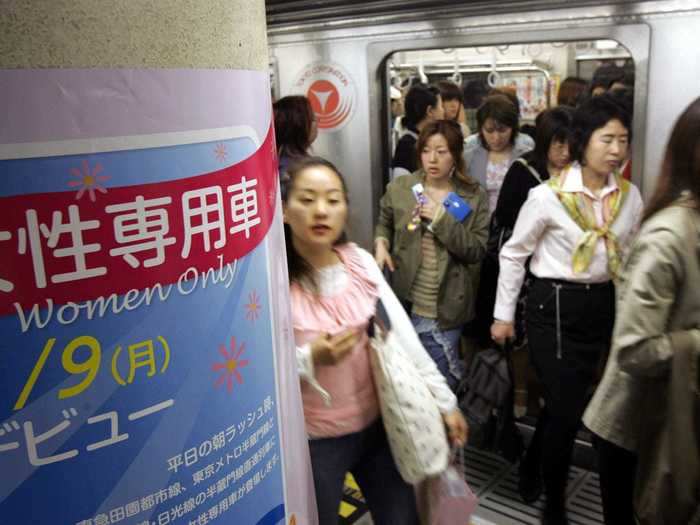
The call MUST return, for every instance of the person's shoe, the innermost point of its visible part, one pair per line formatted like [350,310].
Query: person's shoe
[554,516]
[529,483]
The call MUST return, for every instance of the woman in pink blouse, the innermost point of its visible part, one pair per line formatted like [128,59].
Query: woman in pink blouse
[334,289]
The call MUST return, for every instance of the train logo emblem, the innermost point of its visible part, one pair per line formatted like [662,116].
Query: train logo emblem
[331,91]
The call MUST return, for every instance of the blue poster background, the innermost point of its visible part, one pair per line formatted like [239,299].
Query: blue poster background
[137,480]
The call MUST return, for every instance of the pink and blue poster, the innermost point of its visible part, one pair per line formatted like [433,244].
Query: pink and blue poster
[146,363]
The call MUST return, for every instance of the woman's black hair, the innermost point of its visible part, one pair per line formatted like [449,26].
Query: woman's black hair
[595,84]
[552,125]
[450,91]
[298,267]
[475,92]
[416,104]
[607,74]
[680,170]
[571,91]
[594,114]
[293,120]
[499,108]
[626,79]
[625,97]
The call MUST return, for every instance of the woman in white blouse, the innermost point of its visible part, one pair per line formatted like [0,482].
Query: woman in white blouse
[576,228]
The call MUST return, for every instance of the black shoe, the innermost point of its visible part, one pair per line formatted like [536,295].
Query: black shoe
[529,483]
[554,516]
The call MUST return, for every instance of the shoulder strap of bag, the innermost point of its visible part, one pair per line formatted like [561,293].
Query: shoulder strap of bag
[507,351]
[532,170]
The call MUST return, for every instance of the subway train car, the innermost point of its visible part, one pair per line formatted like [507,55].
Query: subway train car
[346,56]
[349,53]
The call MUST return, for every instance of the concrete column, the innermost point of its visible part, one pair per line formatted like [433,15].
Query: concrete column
[133,33]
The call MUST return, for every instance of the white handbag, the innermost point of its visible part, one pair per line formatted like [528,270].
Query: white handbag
[412,420]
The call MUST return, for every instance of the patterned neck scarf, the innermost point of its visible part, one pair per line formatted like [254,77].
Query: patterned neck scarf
[580,208]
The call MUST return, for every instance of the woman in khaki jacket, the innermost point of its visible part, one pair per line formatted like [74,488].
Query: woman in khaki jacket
[658,320]
[431,245]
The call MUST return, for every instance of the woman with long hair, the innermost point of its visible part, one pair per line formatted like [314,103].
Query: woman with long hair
[295,130]
[334,289]
[658,319]
[575,228]
[431,246]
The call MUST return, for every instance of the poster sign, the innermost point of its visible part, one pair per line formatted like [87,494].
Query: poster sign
[532,91]
[142,328]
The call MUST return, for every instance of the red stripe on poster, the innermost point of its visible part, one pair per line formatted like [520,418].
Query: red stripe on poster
[94,242]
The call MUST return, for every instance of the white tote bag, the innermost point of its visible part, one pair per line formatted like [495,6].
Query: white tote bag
[411,417]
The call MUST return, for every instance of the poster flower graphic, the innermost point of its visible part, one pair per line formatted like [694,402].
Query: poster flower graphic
[88,180]
[253,307]
[230,367]
[220,152]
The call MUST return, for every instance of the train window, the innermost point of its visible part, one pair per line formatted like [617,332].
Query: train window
[542,75]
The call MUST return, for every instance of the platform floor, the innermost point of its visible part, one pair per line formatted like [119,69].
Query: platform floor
[496,484]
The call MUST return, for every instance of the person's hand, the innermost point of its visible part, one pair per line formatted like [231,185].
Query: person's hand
[382,255]
[457,428]
[461,117]
[502,331]
[428,209]
[330,350]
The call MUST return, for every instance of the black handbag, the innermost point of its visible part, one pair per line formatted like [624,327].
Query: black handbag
[486,399]
[498,236]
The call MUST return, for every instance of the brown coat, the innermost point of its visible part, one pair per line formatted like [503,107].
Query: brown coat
[658,320]
[460,246]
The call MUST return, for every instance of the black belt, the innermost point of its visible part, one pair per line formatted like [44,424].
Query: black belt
[572,285]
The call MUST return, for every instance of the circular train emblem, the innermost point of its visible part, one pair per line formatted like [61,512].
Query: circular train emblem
[331,91]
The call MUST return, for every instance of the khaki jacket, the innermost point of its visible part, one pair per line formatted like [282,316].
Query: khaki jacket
[668,472]
[658,314]
[460,246]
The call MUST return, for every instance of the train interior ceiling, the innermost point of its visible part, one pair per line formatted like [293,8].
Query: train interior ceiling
[533,70]
[280,13]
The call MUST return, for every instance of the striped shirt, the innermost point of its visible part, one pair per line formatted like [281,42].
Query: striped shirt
[424,292]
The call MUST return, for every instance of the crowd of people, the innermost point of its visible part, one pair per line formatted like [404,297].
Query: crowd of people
[498,237]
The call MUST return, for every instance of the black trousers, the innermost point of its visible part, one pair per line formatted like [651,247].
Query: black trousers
[617,468]
[569,329]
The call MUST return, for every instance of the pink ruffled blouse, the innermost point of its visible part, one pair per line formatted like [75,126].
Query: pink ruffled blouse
[354,403]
